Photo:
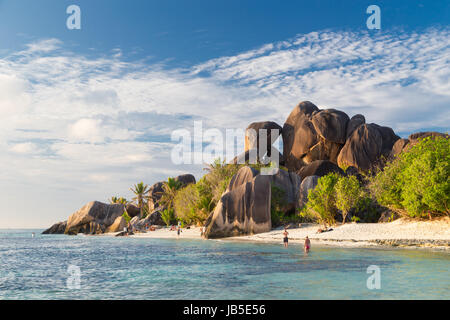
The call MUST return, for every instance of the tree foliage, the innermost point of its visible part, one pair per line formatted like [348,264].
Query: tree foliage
[417,181]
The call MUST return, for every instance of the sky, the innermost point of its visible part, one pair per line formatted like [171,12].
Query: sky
[85,114]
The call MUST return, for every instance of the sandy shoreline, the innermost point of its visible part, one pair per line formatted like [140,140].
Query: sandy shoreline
[400,233]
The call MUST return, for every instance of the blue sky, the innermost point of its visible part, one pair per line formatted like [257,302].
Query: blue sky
[87,113]
[190,32]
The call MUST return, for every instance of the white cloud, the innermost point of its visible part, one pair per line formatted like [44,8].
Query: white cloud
[86,130]
[24,148]
[93,126]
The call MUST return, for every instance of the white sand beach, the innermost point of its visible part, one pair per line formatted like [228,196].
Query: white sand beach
[401,233]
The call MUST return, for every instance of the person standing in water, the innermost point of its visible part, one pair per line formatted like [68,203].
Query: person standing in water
[178,231]
[285,239]
[307,244]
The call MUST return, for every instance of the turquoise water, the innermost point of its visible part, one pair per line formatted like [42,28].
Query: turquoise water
[118,268]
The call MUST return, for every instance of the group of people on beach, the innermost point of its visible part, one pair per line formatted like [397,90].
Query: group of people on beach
[306,246]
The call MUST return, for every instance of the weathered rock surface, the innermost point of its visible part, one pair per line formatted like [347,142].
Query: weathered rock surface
[185,179]
[331,125]
[289,183]
[309,183]
[252,157]
[154,195]
[311,134]
[57,228]
[132,210]
[117,225]
[398,147]
[94,218]
[243,210]
[299,135]
[153,219]
[364,147]
[252,135]
[244,175]
[354,123]
[319,168]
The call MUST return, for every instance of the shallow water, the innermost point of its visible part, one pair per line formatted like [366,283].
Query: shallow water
[126,268]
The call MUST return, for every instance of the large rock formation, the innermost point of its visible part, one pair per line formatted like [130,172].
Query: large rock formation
[57,228]
[311,134]
[252,157]
[289,183]
[319,168]
[185,179]
[243,209]
[366,145]
[309,183]
[354,123]
[132,210]
[118,225]
[154,195]
[252,135]
[154,218]
[94,218]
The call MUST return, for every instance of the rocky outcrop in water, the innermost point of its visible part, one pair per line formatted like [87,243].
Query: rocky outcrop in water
[57,228]
[118,225]
[94,218]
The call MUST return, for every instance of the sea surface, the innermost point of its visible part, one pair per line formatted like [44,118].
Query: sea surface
[86,267]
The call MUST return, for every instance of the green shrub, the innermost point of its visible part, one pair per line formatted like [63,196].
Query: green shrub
[417,180]
[367,208]
[277,205]
[347,194]
[126,216]
[216,181]
[356,219]
[168,216]
[190,206]
[321,200]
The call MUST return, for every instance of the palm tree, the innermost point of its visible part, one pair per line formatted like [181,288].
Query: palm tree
[140,190]
[169,190]
[117,200]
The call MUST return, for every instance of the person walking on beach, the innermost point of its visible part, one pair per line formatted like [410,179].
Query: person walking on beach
[307,244]
[178,231]
[285,239]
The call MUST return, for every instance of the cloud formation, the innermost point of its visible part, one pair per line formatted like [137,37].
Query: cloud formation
[90,127]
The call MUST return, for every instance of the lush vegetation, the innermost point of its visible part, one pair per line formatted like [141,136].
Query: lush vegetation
[140,190]
[347,193]
[126,216]
[168,216]
[417,181]
[321,201]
